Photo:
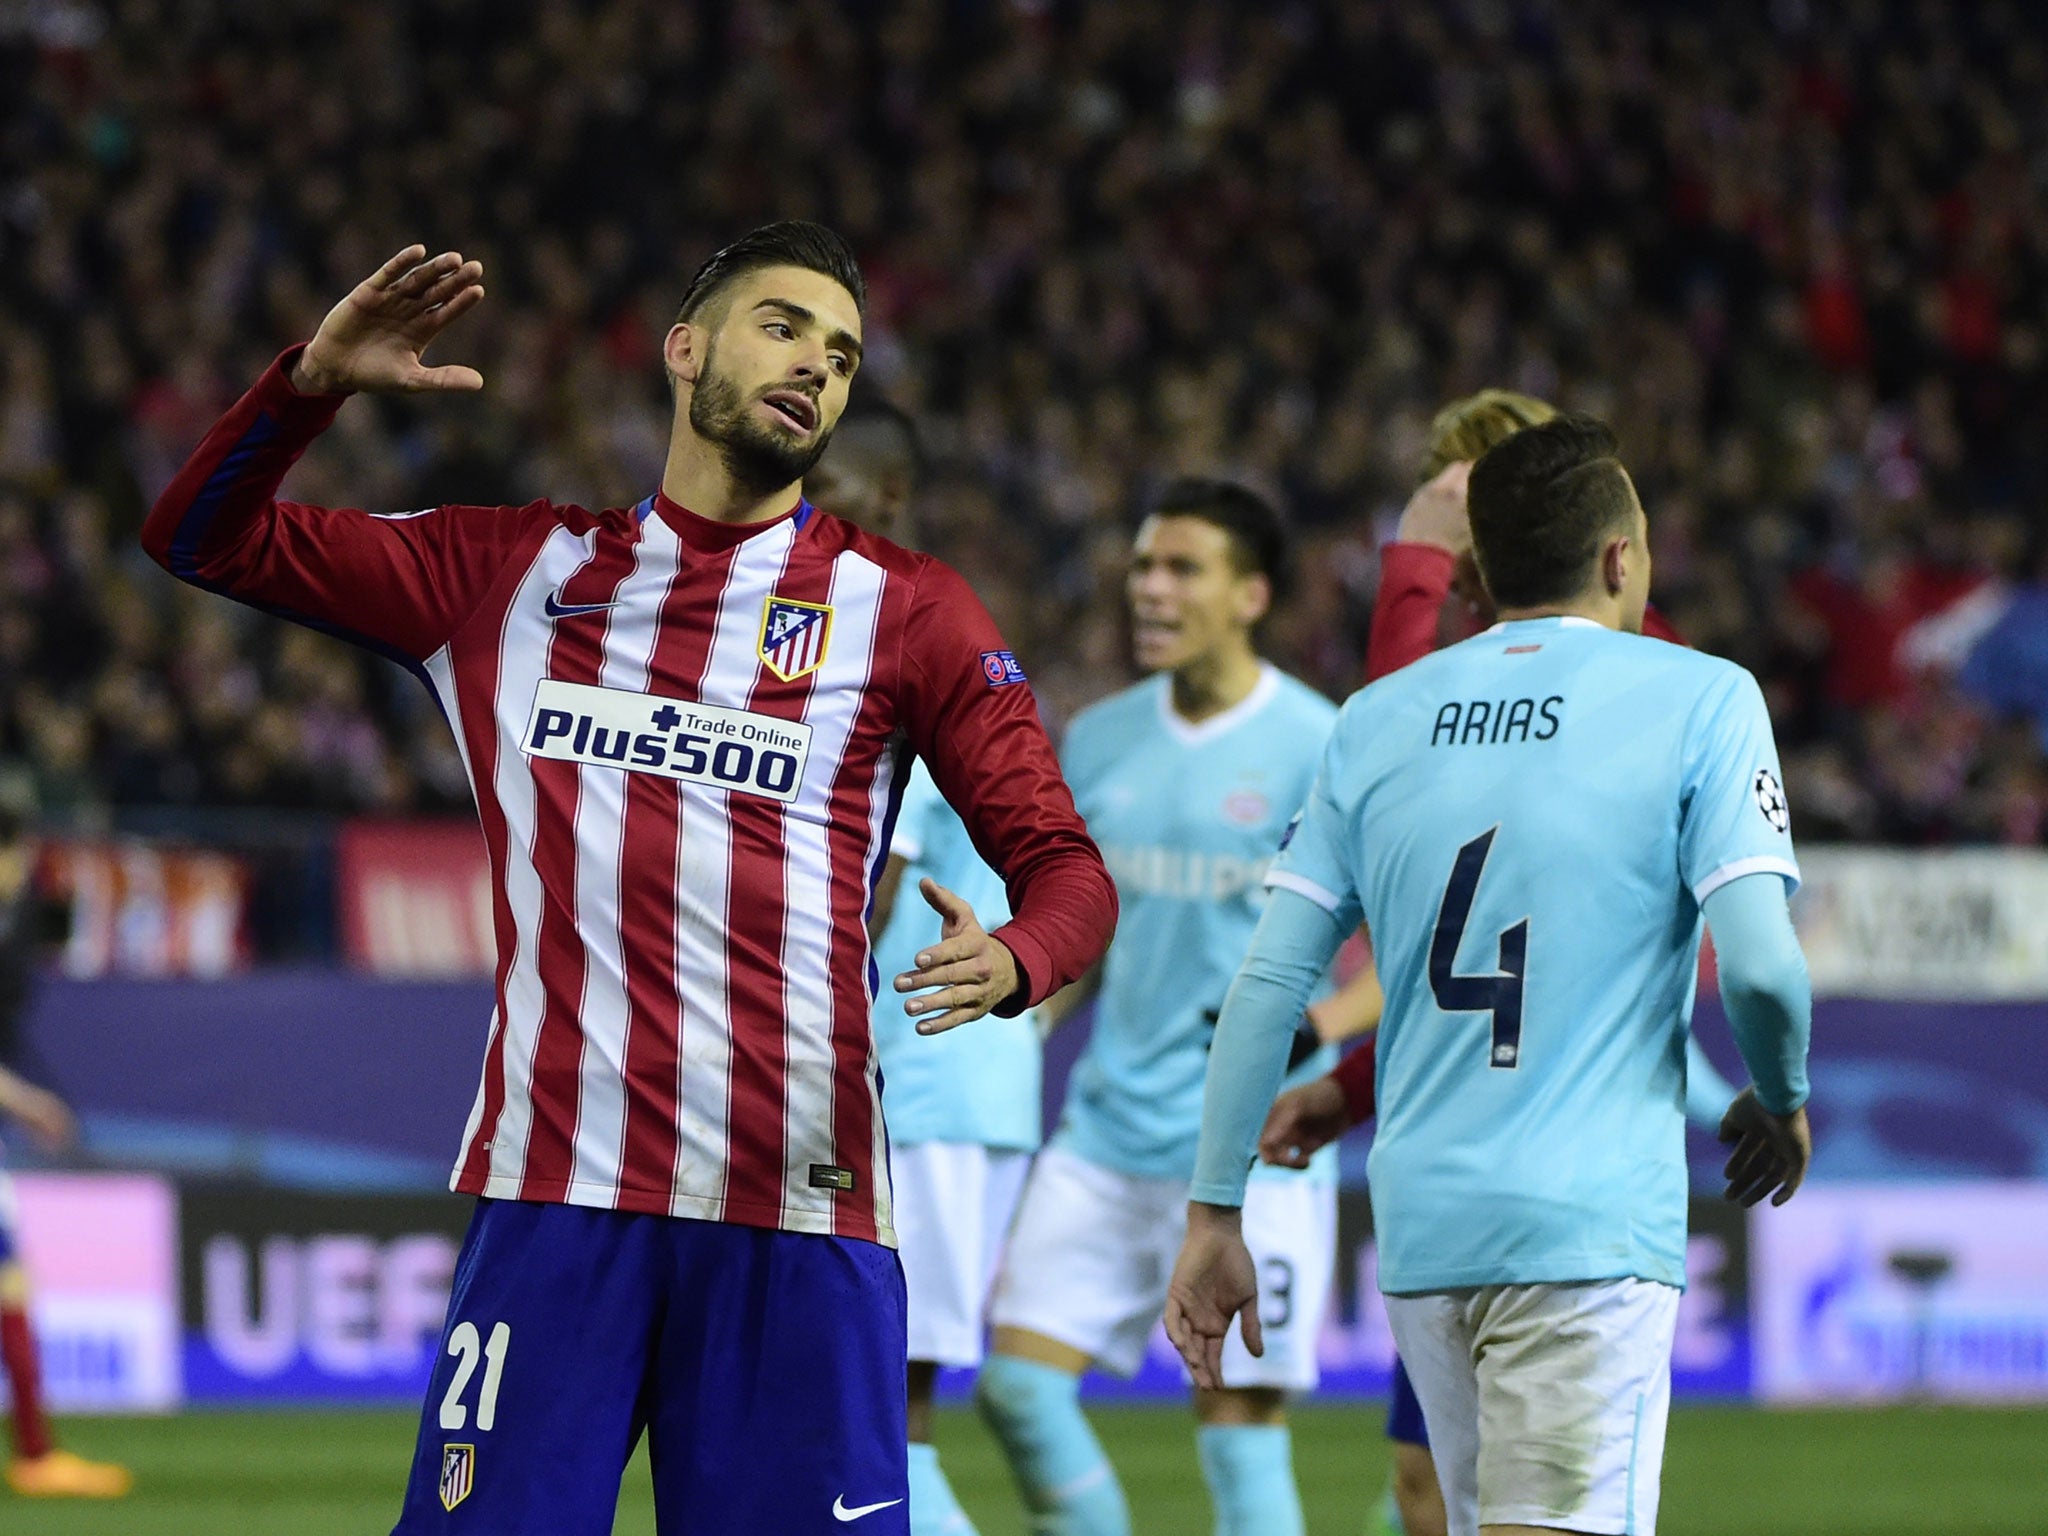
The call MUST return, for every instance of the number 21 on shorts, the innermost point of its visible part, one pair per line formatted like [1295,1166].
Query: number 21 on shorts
[468,1346]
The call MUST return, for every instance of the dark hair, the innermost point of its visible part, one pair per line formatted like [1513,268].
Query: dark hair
[1540,502]
[791,243]
[873,424]
[1259,540]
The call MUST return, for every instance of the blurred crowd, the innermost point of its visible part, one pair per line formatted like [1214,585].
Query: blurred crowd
[1797,252]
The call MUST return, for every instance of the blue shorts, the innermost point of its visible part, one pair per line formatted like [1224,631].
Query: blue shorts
[765,1368]
[10,1246]
[1404,1410]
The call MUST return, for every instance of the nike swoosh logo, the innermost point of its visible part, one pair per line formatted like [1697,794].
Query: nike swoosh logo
[841,1513]
[558,610]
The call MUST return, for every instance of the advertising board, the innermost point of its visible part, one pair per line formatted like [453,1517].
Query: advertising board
[315,1297]
[102,1251]
[1880,1292]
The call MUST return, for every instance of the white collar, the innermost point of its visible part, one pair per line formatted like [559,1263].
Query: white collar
[1192,733]
[1561,620]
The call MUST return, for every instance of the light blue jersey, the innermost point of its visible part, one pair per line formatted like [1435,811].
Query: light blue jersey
[1187,817]
[978,1083]
[1528,822]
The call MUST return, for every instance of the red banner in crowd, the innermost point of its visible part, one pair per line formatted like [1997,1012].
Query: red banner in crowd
[415,898]
[136,909]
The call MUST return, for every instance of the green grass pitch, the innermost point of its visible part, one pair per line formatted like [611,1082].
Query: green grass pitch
[1728,1472]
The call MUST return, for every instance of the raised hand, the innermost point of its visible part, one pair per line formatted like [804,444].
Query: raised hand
[372,340]
[972,970]
[1214,1280]
[1771,1151]
[1435,514]
[1303,1121]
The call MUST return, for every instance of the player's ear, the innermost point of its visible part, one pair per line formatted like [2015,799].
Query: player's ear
[1615,556]
[1255,597]
[683,351]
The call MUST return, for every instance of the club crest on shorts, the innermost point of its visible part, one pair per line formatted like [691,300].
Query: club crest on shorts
[794,636]
[458,1474]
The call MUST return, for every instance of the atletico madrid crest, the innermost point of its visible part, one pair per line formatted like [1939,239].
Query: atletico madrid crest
[458,1474]
[794,636]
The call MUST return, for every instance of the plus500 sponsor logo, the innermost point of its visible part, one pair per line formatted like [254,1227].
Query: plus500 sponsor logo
[707,744]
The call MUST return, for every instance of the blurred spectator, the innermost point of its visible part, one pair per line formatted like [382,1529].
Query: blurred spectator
[1796,252]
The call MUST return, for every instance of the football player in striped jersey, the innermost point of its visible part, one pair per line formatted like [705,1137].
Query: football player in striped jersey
[687,724]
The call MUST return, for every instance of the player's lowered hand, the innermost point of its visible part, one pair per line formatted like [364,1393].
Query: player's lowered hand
[1214,1280]
[1303,1121]
[1435,514]
[372,340]
[1771,1151]
[969,971]
[48,1119]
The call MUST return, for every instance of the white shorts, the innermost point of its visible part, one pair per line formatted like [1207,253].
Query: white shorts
[1546,1404]
[954,1201]
[1093,1249]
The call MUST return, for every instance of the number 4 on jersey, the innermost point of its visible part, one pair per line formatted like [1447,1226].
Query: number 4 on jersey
[1499,994]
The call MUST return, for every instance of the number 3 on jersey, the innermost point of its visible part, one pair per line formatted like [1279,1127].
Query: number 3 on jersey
[467,1345]
[1499,994]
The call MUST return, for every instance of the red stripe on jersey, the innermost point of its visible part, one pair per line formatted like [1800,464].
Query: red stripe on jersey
[575,655]
[474,656]
[655,1016]
[758,1101]
[853,1081]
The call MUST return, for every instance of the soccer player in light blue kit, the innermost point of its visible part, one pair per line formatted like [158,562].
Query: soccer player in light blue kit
[963,1108]
[1186,781]
[1532,824]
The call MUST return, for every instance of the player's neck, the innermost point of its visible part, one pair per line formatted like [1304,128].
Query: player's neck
[1601,609]
[697,477]
[1212,683]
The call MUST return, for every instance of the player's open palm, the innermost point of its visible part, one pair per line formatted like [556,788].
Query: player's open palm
[964,975]
[1214,1280]
[1771,1152]
[373,339]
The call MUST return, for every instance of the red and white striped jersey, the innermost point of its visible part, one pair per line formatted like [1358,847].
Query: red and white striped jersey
[687,741]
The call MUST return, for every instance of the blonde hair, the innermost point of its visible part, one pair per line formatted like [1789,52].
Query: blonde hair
[1466,428]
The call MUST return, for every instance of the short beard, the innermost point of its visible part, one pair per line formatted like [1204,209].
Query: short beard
[759,458]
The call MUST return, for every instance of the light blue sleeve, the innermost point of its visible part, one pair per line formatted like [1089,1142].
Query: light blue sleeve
[1707,1093]
[1734,820]
[915,813]
[1315,859]
[1291,950]
[1764,986]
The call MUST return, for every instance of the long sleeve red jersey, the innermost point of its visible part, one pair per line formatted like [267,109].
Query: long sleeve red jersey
[687,741]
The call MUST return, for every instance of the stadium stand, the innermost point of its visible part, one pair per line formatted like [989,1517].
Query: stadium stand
[1797,253]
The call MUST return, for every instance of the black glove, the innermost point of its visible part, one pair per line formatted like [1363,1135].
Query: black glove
[1307,1041]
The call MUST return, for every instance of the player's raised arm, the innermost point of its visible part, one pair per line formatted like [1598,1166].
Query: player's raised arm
[972,716]
[400,584]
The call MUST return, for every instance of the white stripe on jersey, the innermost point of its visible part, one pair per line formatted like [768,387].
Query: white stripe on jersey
[893,764]
[440,669]
[704,858]
[597,1149]
[837,693]
[522,657]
